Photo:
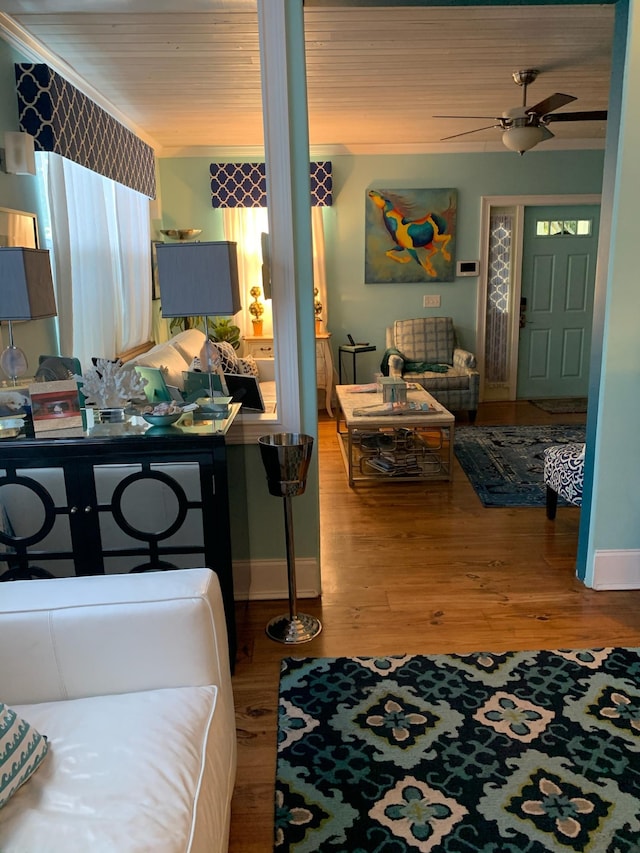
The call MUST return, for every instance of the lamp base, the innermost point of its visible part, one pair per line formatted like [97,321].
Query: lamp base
[13,362]
[292,630]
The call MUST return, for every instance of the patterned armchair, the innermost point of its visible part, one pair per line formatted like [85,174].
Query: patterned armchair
[425,351]
[563,475]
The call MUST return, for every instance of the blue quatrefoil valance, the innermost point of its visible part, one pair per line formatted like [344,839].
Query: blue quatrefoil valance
[245,184]
[64,120]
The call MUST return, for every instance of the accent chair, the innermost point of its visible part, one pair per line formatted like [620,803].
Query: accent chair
[563,475]
[425,350]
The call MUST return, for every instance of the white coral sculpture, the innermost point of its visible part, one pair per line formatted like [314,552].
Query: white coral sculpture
[111,385]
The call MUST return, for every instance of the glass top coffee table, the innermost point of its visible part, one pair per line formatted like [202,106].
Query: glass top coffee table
[381,441]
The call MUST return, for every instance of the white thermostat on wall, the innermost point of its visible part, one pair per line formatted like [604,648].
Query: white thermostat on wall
[468,268]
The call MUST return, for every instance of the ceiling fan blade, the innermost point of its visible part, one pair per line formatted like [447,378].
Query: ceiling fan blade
[585,115]
[553,102]
[467,132]
[491,118]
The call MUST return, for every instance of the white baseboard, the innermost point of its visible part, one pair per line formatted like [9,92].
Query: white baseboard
[616,569]
[260,580]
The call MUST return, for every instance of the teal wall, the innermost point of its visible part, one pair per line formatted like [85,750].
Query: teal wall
[615,507]
[364,310]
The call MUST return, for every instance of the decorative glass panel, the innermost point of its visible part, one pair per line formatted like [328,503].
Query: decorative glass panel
[497,327]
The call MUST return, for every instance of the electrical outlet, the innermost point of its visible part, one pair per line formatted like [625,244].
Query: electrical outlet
[431,300]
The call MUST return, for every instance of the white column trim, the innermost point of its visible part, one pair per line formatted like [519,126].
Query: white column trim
[272,25]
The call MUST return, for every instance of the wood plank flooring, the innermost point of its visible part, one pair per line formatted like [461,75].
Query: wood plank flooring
[418,568]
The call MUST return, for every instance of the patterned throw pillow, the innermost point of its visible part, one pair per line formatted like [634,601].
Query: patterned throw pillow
[22,748]
[228,357]
[248,366]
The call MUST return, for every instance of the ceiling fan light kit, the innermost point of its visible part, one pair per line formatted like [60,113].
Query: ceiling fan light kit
[525,127]
[522,139]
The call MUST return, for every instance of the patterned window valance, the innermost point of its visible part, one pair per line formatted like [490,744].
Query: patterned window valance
[64,120]
[245,185]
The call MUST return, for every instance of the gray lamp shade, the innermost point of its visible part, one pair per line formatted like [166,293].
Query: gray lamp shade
[198,279]
[26,286]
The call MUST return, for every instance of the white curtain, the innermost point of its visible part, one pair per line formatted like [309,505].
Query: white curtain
[99,238]
[244,225]
[319,271]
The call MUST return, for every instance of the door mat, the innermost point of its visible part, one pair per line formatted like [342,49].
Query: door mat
[505,464]
[562,405]
[510,752]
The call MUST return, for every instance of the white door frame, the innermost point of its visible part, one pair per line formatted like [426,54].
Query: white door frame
[517,203]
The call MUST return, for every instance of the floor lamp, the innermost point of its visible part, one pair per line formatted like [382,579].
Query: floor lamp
[26,293]
[199,280]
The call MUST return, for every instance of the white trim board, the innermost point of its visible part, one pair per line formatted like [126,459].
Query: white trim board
[619,569]
[261,580]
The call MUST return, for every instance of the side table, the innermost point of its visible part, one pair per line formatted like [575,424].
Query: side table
[353,351]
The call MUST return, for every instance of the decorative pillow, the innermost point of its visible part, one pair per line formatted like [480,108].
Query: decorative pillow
[22,749]
[248,366]
[228,357]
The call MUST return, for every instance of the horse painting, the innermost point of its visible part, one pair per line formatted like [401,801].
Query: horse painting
[409,235]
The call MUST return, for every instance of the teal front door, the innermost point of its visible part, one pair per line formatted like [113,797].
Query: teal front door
[558,279]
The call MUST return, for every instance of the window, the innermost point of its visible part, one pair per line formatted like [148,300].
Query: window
[566,227]
[98,235]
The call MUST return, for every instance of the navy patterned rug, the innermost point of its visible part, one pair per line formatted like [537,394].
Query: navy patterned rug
[505,464]
[518,752]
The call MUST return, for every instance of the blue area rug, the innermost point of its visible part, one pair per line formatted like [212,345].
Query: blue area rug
[505,464]
[518,752]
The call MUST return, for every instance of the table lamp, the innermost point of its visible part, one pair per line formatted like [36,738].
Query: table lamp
[199,280]
[26,293]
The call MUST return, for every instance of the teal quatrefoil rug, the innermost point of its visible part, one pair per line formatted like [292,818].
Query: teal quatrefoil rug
[518,752]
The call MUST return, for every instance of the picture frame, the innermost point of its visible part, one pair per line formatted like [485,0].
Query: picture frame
[55,406]
[410,235]
[15,401]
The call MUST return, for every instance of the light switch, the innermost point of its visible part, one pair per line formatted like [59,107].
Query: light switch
[431,300]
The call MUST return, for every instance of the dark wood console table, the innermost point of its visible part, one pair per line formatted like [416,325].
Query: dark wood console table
[120,499]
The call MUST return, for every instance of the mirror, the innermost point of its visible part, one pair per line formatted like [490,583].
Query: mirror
[18,228]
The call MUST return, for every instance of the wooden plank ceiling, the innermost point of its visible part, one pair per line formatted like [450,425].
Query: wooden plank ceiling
[376,76]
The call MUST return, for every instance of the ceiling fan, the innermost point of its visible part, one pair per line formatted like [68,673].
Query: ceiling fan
[524,127]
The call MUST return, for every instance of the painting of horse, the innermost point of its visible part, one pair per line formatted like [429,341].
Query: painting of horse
[410,235]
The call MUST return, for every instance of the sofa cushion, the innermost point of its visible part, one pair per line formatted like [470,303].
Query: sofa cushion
[248,366]
[168,359]
[188,343]
[129,772]
[455,379]
[228,357]
[428,339]
[22,749]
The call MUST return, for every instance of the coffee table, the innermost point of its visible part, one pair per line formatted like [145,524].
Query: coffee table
[399,444]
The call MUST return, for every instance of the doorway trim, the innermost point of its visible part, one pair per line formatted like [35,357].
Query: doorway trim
[517,205]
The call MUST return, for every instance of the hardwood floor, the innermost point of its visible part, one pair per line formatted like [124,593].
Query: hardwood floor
[418,568]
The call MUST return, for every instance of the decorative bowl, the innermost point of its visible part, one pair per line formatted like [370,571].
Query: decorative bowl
[161,420]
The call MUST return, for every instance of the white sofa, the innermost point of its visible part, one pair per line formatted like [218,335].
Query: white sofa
[128,677]
[176,355]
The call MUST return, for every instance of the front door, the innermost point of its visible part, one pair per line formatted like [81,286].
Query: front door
[558,280]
